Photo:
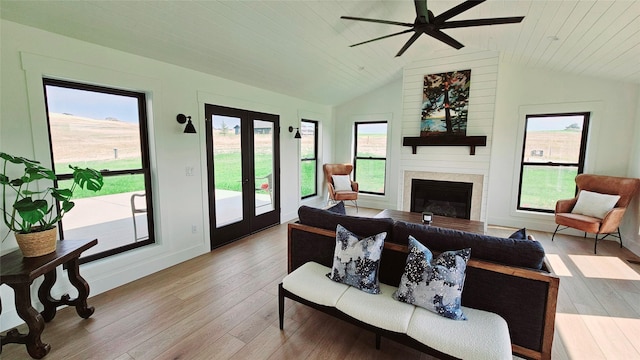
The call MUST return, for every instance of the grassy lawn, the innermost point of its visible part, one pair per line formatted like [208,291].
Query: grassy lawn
[112,184]
[228,171]
[543,186]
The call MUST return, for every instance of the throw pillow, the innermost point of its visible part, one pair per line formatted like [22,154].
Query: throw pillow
[519,234]
[594,204]
[356,261]
[434,284]
[338,208]
[341,182]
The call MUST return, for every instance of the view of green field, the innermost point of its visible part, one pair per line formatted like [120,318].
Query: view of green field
[542,186]
[97,144]
[112,147]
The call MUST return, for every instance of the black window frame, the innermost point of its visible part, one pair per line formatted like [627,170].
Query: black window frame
[315,156]
[581,156]
[145,169]
[356,157]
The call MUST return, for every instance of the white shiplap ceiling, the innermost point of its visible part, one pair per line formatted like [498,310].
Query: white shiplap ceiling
[301,48]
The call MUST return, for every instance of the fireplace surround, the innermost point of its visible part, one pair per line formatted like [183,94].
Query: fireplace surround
[477,181]
[446,198]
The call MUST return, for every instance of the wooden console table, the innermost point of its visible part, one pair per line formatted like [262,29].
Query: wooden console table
[439,221]
[19,272]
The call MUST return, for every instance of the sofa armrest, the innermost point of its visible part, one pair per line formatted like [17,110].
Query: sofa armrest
[308,243]
[566,205]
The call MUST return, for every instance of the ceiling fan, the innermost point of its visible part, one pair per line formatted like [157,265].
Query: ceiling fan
[427,23]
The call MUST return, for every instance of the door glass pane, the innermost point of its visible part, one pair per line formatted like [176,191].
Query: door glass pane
[542,186]
[263,162]
[227,170]
[553,139]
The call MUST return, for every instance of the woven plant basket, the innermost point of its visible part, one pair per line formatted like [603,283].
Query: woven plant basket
[37,243]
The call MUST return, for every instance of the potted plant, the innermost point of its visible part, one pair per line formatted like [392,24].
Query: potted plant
[32,214]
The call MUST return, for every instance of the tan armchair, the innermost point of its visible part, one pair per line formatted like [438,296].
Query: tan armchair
[609,224]
[340,194]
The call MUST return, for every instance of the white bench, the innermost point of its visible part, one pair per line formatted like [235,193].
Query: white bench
[484,335]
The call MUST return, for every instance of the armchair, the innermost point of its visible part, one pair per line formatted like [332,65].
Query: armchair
[608,223]
[344,188]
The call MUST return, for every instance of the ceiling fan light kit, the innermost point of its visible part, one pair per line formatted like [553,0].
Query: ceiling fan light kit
[427,23]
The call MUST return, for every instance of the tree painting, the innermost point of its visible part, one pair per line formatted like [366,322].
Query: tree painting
[445,103]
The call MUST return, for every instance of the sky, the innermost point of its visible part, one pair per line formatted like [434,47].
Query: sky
[553,123]
[92,104]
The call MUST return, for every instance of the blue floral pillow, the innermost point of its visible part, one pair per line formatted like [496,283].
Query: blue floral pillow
[434,284]
[356,261]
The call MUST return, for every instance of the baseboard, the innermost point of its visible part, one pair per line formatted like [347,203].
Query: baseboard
[102,276]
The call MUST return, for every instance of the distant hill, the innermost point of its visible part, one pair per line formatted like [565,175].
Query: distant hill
[78,138]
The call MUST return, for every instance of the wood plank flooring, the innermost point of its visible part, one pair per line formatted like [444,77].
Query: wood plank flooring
[223,305]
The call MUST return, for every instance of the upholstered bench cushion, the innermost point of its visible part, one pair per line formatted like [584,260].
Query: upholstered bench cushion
[310,282]
[484,335]
[380,310]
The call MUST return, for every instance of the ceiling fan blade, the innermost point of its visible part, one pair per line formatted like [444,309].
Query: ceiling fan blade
[377,21]
[383,37]
[444,38]
[408,43]
[421,11]
[481,22]
[456,10]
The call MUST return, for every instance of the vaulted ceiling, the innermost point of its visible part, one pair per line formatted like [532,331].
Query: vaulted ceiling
[301,48]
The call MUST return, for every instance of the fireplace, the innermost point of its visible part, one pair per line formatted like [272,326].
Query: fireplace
[446,198]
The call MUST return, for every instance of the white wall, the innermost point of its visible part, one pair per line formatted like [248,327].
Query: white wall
[179,201]
[482,98]
[632,221]
[614,115]
[383,103]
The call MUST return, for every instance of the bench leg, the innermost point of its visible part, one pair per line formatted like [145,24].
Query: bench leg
[281,305]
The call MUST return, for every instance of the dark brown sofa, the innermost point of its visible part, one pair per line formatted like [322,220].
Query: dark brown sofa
[508,277]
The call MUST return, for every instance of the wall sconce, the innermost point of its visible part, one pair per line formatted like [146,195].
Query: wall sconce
[427,217]
[189,129]
[297,135]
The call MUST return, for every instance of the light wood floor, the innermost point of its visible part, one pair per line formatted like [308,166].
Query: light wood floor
[223,305]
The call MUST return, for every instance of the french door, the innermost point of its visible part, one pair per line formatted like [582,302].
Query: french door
[243,172]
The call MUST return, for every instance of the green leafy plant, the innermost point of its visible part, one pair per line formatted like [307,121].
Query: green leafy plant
[32,210]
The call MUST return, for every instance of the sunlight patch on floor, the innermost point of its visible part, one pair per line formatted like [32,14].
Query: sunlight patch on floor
[558,266]
[604,267]
[582,333]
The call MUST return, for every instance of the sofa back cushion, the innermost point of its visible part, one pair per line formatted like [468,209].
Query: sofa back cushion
[513,252]
[329,221]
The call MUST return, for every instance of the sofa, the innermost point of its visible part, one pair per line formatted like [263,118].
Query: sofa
[509,293]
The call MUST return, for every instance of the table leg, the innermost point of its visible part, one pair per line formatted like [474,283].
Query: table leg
[35,347]
[73,269]
[44,294]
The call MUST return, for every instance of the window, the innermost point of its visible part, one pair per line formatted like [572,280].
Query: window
[309,158]
[104,129]
[553,154]
[370,156]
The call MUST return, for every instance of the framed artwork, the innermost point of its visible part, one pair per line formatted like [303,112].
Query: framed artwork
[445,104]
